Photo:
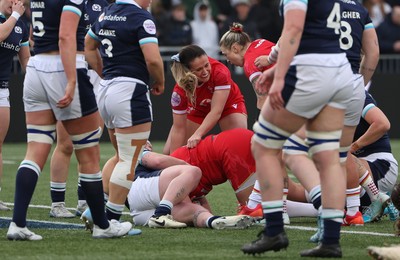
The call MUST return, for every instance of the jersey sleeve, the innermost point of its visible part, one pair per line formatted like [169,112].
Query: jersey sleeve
[179,102]
[368,104]
[222,77]
[147,31]
[250,69]
[94,29]
[368,22]
[75,6]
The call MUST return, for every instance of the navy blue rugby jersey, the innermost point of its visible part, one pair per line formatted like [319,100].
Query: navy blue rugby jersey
[355,19]
[381,145]
[18,37]
[122,29]
[93,9]
[321,32]
[46,15]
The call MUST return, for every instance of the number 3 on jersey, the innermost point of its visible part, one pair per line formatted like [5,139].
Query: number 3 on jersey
[107,47]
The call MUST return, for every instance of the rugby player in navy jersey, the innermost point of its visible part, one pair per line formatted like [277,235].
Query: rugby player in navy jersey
[126,35]
[303,88]
[13,40]
[372,161]
[60,160]
[56,87]
[357,35]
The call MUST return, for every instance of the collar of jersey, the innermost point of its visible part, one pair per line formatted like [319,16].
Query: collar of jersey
[127,2]
[2,15]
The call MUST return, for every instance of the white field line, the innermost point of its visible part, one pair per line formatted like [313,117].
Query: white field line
[9,162]
[49,222]
[287,226]
[49,207]
[343,231]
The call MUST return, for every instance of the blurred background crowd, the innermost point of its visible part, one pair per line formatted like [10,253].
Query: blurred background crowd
[182,22]
[203,22]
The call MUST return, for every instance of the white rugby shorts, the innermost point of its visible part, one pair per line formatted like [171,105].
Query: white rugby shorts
[316,80]
[353,111]
[45,83]
[4,97]
[143,198]
[124,102]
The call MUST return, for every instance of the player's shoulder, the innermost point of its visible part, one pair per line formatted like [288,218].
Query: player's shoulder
[218,68]
[178,89]
[262,42]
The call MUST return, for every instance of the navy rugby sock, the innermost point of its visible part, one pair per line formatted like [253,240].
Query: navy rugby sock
[25,184]
[93,188]
[57,191]
[164,208]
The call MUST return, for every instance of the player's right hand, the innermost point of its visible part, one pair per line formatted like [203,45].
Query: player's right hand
[157,89]
[66,100]
[18,7]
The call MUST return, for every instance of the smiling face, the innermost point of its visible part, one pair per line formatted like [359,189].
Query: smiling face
[201,67]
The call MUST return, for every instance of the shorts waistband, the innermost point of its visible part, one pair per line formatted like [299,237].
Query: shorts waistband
[3,84]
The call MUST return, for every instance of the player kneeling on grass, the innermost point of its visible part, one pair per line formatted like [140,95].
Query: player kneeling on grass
[159,185]
[159,196]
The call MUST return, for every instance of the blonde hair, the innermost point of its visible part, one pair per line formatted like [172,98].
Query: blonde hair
[234,35]
[180,69]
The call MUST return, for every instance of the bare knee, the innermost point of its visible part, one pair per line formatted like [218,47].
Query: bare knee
[65,146]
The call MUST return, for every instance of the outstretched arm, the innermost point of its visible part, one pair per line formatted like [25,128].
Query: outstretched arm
[218,102]
[159,161]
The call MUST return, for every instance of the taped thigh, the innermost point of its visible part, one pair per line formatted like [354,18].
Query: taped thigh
[41,133]
[323,141]
[269,135]
[295,145]
[86,140]
[343,154]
